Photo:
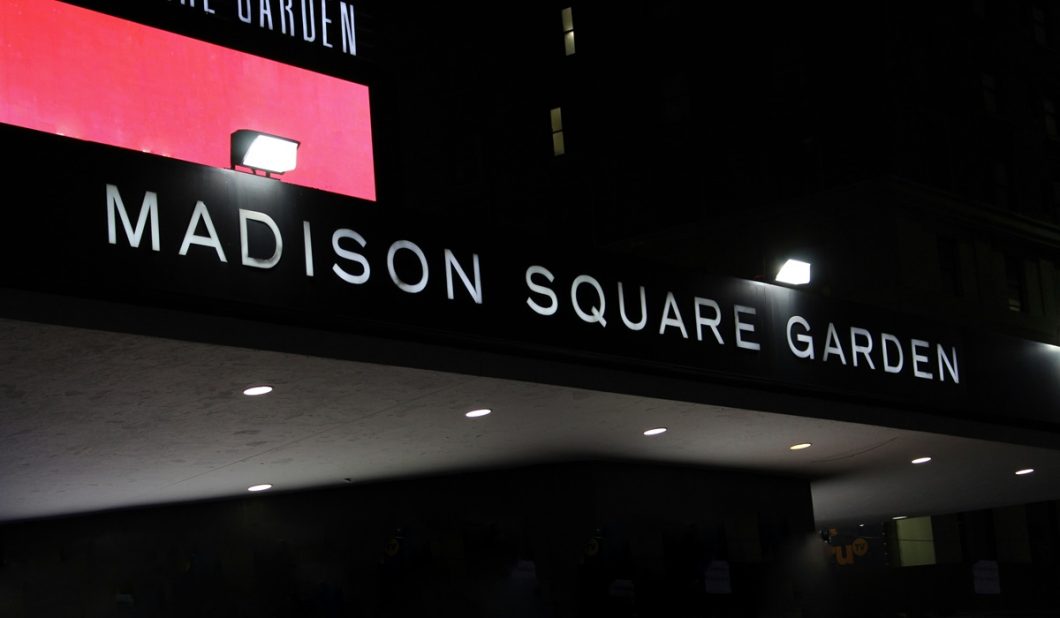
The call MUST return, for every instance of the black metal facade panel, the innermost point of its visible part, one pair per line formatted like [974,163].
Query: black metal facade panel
[525,297]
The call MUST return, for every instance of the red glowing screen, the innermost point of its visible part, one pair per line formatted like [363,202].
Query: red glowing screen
[85,75]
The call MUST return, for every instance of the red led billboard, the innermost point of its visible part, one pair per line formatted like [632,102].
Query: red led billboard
[89,76]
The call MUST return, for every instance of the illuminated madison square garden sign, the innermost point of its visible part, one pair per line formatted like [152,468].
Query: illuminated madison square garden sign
[164,167]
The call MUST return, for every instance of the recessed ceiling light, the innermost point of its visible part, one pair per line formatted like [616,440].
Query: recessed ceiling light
[655,432]
[478,413]
[921,460]
[1024,471]
[800,446]
[259,487]
[254,391]
[897,517]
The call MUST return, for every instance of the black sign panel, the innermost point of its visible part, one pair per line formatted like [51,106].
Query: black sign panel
[329,36]
[103,222]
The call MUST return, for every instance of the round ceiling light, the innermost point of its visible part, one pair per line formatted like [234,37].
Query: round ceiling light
[478,413]
[1024,471]
[921,460]
[800,446]
[254,391]
[259,487]
[655,432]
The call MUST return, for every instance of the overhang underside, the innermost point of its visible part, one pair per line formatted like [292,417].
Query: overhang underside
[94,419]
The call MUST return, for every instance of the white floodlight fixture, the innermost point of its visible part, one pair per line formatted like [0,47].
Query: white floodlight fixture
[794,272]
[259,151]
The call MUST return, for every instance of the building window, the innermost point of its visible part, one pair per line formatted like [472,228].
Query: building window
[1040,25]
[558,147]
[1049,112]
[915,540]
[1014,285]
[568,31]
[989,87]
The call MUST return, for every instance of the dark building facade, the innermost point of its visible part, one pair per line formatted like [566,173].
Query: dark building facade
[515,178]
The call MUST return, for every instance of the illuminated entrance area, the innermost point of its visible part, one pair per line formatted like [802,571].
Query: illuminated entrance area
[555,498]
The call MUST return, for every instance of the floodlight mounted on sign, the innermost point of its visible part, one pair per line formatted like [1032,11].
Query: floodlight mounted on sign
[259,151]
[794,272]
